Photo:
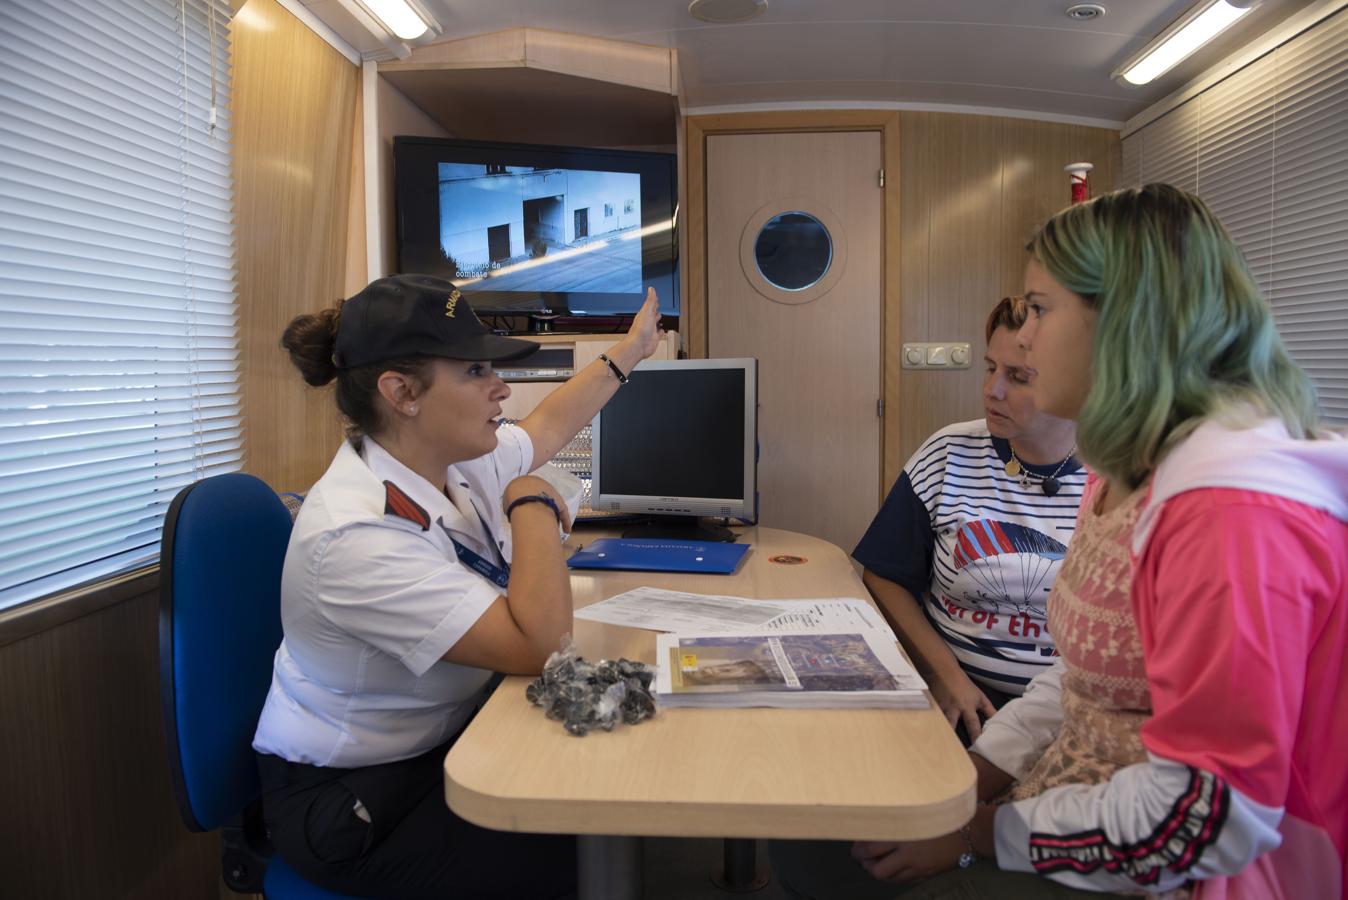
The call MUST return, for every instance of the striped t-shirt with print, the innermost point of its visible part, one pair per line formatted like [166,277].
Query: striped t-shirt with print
[978,548]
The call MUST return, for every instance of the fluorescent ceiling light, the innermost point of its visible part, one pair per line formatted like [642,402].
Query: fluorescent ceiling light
[1192,31]
[398,17]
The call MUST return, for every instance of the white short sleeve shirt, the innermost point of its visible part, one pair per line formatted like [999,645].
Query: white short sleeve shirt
[373,596]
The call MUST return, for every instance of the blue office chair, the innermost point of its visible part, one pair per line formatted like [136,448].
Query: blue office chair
[219,626]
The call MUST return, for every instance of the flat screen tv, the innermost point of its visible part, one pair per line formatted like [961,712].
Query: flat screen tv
[534,229]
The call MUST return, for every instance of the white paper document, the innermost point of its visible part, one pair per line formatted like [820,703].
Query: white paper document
[829,614]
[661,610]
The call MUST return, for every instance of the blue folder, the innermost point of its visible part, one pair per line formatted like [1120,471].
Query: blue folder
[659,555]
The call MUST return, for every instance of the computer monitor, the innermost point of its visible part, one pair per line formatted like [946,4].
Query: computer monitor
[678,442]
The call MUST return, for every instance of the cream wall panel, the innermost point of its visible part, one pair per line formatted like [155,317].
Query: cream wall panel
[603,59]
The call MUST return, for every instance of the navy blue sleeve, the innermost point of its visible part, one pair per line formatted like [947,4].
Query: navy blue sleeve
[899,543]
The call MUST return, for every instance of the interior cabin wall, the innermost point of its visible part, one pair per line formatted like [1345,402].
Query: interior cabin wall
[298,175]
[963,195]
[89,807]
[972,189]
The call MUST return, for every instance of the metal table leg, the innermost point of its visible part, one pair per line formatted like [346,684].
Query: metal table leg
[610,867]
[739,870]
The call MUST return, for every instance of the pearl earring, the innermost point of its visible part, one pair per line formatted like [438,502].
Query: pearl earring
[412,410]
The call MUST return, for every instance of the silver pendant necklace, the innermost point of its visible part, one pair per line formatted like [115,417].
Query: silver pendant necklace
[1050,485]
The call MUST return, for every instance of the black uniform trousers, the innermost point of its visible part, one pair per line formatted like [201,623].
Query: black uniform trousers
[414,846]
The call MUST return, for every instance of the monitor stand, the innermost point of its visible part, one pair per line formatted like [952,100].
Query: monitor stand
[681,528]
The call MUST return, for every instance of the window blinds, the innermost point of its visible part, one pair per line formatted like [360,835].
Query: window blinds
[118,353]
[1266,149]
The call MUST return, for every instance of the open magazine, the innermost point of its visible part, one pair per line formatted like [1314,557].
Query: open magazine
[836,669]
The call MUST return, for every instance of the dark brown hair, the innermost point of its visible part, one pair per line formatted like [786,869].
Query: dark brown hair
[1009,313]
[310,340]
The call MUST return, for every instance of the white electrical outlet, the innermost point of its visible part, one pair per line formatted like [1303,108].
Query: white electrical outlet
[937,355]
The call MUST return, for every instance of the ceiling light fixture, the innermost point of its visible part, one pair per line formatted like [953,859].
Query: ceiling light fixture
[398,16]
[725,12]
[1084,12]
[1185,35]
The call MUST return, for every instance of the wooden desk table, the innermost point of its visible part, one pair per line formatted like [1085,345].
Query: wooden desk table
[751,773]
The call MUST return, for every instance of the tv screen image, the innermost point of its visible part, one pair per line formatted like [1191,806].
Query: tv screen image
[534,229]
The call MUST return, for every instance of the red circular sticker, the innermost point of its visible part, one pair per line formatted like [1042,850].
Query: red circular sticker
[786,560]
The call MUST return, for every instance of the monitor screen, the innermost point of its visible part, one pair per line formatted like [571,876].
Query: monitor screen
[523,228]
[679,438]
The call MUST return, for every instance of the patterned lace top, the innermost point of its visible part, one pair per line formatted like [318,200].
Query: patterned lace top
[1104,687]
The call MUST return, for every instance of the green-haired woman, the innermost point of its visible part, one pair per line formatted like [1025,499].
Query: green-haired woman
[1192,737]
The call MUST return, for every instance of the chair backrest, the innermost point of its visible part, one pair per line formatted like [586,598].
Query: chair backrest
[219,626]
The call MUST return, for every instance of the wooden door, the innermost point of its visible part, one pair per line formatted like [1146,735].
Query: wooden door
[818,346]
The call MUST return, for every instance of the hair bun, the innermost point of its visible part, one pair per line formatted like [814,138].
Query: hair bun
[311,340]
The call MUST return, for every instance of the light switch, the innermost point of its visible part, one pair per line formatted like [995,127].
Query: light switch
[936,355]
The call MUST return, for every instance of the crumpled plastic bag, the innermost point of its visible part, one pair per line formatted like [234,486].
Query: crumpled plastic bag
[583,695]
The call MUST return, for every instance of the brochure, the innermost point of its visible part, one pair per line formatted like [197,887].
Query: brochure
[786,669]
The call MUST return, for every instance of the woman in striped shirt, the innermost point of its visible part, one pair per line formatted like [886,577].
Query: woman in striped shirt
[963,552]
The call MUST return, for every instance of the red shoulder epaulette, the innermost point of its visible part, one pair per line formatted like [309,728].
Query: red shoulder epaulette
[396,503]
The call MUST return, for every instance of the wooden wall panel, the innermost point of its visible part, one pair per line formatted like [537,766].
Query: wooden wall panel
[951,214]
[1034,186]
[89,808]
[973,189]
[294,112]
[357,275]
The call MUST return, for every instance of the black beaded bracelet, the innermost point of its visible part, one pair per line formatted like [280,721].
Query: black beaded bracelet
[617,372]
[535,498]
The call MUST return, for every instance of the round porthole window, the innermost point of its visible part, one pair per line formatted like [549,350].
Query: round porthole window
[793,251]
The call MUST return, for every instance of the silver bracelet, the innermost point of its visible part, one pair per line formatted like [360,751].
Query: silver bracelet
[970,855]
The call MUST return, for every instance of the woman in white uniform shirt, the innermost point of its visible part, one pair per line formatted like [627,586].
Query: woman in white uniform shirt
[422,562]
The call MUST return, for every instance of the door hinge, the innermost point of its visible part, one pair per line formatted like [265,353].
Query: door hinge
[882,178]
[880,407]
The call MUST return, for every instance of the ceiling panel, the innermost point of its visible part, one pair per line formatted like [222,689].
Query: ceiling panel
[1017,54]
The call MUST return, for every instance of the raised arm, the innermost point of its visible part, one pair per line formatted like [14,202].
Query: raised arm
[568,409]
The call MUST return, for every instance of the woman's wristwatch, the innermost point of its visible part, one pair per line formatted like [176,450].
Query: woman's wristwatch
[535,498]
[970,855]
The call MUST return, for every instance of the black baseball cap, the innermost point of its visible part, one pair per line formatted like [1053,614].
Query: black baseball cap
[408,315]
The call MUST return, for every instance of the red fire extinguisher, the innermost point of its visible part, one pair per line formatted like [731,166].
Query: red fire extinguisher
[1080,174]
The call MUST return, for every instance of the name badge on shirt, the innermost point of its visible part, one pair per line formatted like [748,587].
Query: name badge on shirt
[498,575]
